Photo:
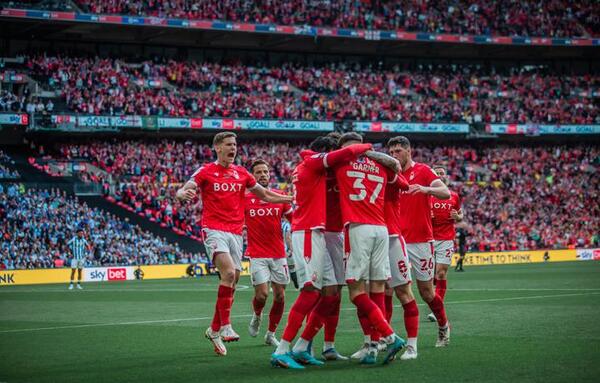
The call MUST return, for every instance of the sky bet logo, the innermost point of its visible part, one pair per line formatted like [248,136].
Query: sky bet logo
[112,274]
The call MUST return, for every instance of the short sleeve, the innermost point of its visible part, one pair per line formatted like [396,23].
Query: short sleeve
[198,176]
[316,162]
[429,175]
[250,181]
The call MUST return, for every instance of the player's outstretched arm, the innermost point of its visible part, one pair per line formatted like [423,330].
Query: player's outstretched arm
[385,160]
[436,189]
[338,157]
[187,192]
[269,196]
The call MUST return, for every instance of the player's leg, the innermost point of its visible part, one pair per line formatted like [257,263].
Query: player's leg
[421,257]
[73,269]
[335,250]
[79,274]
[276,313]
[401,284]
[280,277]
[389,303]
[304,250]
[218,247]
[368,261]
[259,276]
[443,252]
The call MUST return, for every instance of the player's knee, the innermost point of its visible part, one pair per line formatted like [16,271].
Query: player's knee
[228,276]
[441,274]
[279,296]
[261,296]
[427,293]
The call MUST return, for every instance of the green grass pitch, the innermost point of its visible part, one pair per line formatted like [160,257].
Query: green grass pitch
[535,322]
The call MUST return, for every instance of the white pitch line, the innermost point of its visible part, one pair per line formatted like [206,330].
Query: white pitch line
[239,288]
[249,315]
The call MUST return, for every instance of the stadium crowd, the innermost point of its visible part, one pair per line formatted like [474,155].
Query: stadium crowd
[554,18]
[36,224]
[514,198]
[425,93]
[7,170]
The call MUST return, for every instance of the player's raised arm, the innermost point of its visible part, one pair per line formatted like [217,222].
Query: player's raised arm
[269,196]
[337,157]
[187,192]
[385,160]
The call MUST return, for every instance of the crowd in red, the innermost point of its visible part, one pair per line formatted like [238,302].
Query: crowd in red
[425,93]
[514,198]
[554,18]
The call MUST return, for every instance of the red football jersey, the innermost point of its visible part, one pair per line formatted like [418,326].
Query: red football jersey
[443,224]
[391,209]
[263,225]
[333,221]
[223,193]
[362,183]
[415,209]
[308,181]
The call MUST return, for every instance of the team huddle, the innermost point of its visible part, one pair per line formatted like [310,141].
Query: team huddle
[359,218]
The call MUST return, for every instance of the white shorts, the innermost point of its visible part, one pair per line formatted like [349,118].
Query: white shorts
[444,250]
[399,263]
[263,270]
[334,241]
[368,254]
[77,263]
[217,241]
[312,263]
[421,260]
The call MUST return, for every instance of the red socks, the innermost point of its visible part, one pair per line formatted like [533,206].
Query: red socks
[365,304]
[389,308]
[411,319]
[437,307]
[301,308]
[223,307]
[216,322]
[331,322]
[379,300]
[275,314]
[258,306]
[365,324]
[318,316]
[440,287]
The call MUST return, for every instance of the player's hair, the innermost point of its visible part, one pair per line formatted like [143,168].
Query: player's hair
[258,162]
[439,166]
[220,137]
[350,136]
[399,140]
[323,144]
[335,135]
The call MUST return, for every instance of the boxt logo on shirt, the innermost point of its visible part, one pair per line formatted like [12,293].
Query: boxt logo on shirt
[227,187]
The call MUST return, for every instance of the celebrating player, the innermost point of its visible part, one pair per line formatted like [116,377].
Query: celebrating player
[362,183]
[445,214]
[267,254]
[310,249]
[222,186]
[415,226]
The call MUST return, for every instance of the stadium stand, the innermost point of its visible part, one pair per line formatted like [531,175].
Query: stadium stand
[35,225]
[6,167]
[411,93]
[555,18]
[514,197]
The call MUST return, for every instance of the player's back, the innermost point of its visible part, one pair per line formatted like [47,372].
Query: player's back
[309,182]
[362,184]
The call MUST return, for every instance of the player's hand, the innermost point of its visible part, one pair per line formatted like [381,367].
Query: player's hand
[454,215]
[417,189]
[186,195]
